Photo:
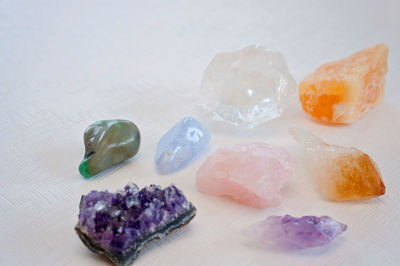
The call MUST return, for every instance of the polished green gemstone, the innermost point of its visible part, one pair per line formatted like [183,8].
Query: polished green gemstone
[108,142]
[83,169]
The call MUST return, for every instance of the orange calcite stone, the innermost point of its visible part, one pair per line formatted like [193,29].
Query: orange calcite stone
[341,91]
[341,173]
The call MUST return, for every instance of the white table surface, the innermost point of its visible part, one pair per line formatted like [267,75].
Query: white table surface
[66,64]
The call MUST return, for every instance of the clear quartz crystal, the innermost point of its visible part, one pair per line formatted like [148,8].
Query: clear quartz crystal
[247,87]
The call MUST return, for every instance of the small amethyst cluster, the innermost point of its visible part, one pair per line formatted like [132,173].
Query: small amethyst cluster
[122,222]
[298,233]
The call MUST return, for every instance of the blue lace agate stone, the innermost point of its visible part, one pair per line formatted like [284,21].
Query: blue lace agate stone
[180,145]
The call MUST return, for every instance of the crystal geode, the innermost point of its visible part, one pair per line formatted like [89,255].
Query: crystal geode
[181,145]
[296,233]
[118,225]
[247,87]
[341,173]
[251,174]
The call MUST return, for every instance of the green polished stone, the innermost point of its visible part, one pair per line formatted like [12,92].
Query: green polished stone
[108,142]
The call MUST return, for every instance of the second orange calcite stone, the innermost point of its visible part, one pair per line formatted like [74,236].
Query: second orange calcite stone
[341,91]
[341,173]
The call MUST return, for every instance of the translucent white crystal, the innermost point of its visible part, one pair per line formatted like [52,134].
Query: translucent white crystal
[247,87]
[100,205]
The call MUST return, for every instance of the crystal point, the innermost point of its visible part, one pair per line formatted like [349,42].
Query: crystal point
[180,145]
[296,233]
[251,174]
[341,173]
[342,91]
[118,225]
[247,87]
[108,142]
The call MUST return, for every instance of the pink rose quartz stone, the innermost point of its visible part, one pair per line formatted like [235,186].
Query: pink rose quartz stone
[251,174]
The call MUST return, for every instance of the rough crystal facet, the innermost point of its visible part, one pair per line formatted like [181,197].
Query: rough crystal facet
[341,173]
[251,174]
[119,224]
[247,87]
[296,233]
[181,145]
[108,142]
[341,91]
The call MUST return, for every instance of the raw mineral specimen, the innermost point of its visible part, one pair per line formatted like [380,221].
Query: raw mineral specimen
[118,225]
[247,87]
[180,145]
[341,173]
[341,91]
[251,174]
[296,233]
[108,142]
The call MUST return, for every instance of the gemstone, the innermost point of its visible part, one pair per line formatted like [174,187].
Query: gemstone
[108,142]
[118,225]
[296,233]
[181,145]
[251,174]
[342,91]
[341,173]
[247,87]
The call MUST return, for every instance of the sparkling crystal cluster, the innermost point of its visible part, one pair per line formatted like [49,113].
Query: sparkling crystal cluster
[247,87]
[119,224]
[296,233]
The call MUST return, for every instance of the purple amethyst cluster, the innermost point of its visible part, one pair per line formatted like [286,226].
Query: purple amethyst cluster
[119,224]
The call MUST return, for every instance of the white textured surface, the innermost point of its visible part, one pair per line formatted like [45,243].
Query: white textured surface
[66,64]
